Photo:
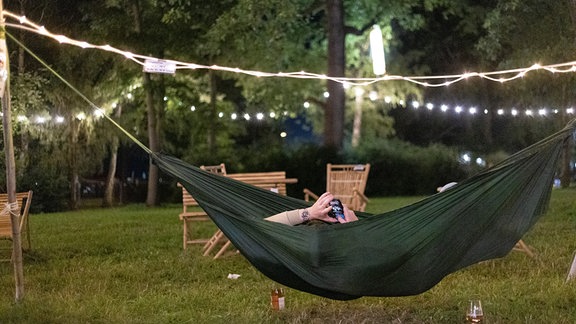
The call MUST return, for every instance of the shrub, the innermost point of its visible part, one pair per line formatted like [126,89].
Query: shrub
[400,168]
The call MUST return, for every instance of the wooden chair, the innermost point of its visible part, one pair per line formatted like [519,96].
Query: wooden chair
[217,169]
[346,182]
[274,181]
[24,200]
[191,211]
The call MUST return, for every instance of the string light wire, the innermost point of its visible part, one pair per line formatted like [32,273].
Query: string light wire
[95,107]
[426,81]
[415,104]
[140,59]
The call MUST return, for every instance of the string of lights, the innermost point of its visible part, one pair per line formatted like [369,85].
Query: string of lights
[445,109]
[426,81]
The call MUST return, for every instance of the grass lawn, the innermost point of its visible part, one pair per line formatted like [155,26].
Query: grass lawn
[127,265]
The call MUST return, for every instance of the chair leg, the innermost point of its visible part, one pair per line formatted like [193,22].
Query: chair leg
[185,233]
[523,247]
[223,249]
[214,240]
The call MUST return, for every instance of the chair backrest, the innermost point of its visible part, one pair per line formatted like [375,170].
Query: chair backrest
[274,181]
[187,199]
[218,169]
[346,181]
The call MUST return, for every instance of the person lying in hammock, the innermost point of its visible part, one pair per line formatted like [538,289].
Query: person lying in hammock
[317,212]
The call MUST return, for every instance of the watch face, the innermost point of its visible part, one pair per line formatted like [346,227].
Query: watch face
[337,209]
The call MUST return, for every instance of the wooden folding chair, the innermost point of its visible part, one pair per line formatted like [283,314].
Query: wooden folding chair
[191,211]
[274,181]
[346,182]
[24,200]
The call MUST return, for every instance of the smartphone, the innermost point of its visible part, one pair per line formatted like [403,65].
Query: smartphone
[337,209]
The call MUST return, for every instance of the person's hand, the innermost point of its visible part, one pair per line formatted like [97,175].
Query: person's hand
[322,207]
[349,216]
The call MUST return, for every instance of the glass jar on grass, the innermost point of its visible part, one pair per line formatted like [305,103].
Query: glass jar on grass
[474,312]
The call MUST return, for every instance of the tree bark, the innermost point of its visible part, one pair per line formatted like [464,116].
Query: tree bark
[212,129]
[153,142]
[566,173]
[334,112]
[357,129]
[73,163]
[153,132]
[111,176]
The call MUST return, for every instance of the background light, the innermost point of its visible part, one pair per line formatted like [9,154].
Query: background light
[377,51]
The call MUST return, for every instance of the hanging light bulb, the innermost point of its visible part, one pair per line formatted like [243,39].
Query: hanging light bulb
[377,51]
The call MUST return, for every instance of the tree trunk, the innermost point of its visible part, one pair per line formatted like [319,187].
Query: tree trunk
[566,161]
[356,130]
[110,183]
[22,34]
[73,163]
[566,173]
[334,112]
[212,129]
[153,142]
[153,132]
[24,138]
[110,177]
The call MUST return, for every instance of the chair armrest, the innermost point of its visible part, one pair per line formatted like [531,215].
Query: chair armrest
[362,196]
[309,194]
[362,200]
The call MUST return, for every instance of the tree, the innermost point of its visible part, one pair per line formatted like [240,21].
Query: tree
[302,34]
[515,39]
[108,20]
[37,89]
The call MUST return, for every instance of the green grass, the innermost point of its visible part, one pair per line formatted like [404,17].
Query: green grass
[126,265]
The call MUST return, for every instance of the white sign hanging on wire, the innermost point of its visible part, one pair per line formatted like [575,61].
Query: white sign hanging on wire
[159,66]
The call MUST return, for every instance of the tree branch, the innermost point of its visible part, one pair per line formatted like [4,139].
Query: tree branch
[359,31]
[320,103]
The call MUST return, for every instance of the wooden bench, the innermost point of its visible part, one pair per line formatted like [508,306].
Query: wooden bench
[274,181]
[23,199]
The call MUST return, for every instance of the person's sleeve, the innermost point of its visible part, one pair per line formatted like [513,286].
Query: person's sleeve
[291,217]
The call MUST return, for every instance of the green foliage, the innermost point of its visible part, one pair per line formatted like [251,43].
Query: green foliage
[523,33]
[421,37]
[28,92]
[50,185]
[399,168]
[126,265]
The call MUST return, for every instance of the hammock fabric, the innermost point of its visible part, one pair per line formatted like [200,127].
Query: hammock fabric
[398,253]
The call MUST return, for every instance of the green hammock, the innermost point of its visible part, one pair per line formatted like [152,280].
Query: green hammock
[399,253]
